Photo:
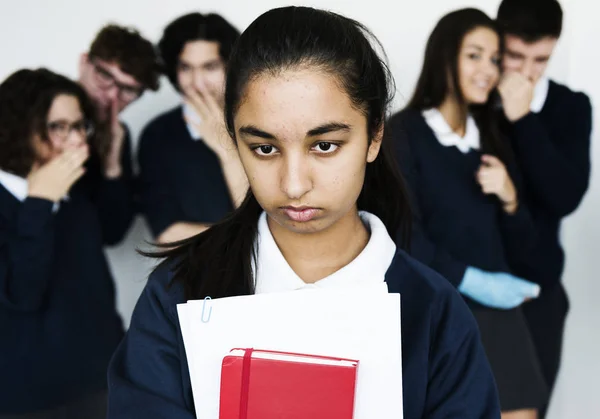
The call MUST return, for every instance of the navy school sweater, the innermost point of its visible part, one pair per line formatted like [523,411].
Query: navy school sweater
[445,371]
[553,152]
[180,178]
[58,322]
[456,224]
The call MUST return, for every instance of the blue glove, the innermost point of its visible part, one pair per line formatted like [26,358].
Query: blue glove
[497,289]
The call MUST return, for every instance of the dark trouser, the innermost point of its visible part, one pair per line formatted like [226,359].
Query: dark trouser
[546,319]
[89,407]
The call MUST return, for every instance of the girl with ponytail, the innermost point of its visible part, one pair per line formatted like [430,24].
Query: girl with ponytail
[306,101]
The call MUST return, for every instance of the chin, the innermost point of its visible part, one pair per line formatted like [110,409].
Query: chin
[307,227]
[478,100]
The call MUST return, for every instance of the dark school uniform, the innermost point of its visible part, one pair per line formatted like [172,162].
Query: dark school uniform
[552,148]
[180,177]
[445,371]
[58,319]
[459,226]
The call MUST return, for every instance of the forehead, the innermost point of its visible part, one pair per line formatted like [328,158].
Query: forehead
[64,107]
[115,70]
[200,51]
[542,47]
[482,37]
[295,101]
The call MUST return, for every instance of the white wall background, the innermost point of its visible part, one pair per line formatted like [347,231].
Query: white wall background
[53,33]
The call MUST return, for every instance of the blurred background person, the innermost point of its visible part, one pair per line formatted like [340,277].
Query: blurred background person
[471,219]
[190,174]
[57,305]
[551,128]
[119,66]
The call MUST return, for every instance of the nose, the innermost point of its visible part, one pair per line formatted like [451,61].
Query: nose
[199,80]
[528,69]
[112,93]
[75,139]
[296,179]
[491,70]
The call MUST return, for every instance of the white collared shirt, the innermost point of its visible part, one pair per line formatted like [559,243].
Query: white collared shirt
[274,274]
[540,93]
[190,113]
[19,187]
[447,137]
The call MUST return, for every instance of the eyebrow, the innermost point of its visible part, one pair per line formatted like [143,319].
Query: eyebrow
[477,47]
[66,121]
[314,132]
[182,62]
[514,53]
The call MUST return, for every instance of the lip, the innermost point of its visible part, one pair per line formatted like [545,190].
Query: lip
[300,214]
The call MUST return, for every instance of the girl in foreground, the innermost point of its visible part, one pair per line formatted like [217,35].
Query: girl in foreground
[305,104]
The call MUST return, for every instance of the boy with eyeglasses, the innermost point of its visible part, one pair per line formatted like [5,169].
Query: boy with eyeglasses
[119,66]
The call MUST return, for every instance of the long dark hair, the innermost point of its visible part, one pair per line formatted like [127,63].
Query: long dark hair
[439,75]
[26,97]
[280,39]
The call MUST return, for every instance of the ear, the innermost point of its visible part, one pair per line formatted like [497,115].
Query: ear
[375,145]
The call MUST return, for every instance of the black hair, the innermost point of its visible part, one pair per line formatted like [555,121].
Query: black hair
[26,97]
[439,75]
[194,27]
[286,39]
[530,20]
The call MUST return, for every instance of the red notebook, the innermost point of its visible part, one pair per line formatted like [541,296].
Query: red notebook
[258,384]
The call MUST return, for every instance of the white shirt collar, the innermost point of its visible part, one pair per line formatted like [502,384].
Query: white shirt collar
[14,184]
[540,93]
[273,274]
[19,187]
[190,113]
[449,138]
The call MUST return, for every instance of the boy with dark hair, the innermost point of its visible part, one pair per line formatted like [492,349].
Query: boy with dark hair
[201,178]
[550,126]
[119,66]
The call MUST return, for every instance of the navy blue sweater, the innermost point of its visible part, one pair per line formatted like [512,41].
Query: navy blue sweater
[553,152]
[58,322]
[456,224]
[445,371]
[180,178]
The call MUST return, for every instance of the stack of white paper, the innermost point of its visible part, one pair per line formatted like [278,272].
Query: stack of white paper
[360,323]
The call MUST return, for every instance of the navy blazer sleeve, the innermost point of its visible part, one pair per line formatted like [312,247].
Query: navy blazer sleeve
[461,383]
[557,172]
[26,252]
[518,230]
[422,247]
[159,203]
[148,374]
[114,197]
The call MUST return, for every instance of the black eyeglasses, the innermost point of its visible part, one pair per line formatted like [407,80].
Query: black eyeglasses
[62,129]
[106,80]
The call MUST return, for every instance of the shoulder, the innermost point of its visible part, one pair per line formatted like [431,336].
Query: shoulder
[162,291]
[568,97]
[426,293]
[408,274]
[405,119]
[404,129]
[159,124]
